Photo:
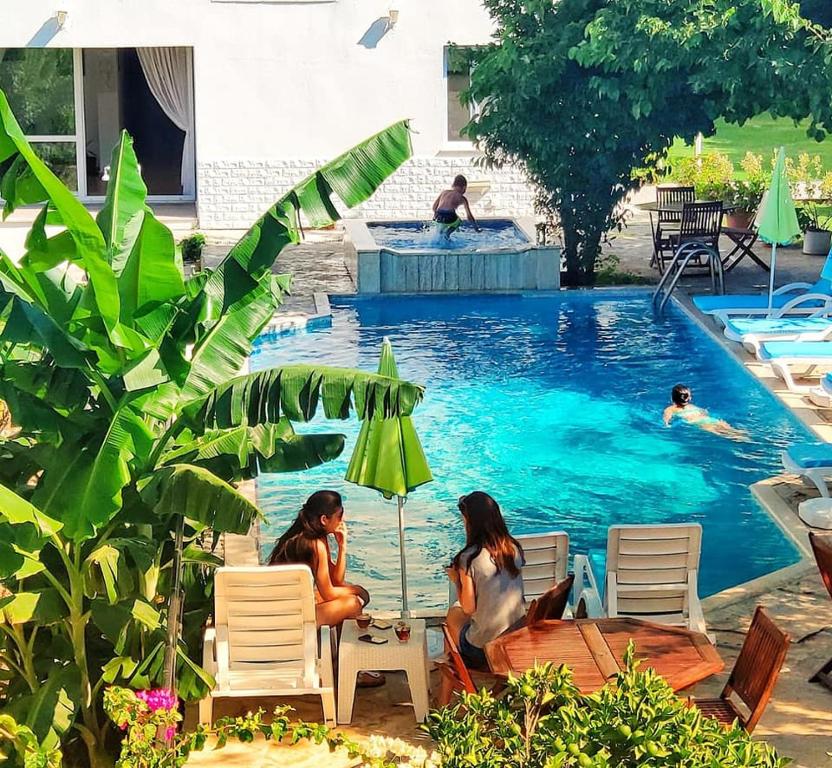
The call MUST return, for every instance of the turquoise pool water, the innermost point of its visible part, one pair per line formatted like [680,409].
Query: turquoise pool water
[553,405]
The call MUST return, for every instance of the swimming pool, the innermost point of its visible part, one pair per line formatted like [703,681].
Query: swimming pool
[552,403]
[419,235]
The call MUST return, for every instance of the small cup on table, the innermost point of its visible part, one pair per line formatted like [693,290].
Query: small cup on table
[363,620]
[403,631]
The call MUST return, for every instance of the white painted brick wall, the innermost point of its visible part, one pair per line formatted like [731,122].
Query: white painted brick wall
[232,194]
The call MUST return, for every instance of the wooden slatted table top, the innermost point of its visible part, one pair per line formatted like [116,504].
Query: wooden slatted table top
[594,650]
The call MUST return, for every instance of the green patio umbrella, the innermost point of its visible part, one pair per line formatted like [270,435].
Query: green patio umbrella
[777,218]
[388,457]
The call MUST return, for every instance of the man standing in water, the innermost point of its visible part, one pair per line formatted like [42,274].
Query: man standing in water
[444,209]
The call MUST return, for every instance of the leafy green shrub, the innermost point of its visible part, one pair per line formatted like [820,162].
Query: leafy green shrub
[711,175]
[543,722]
[192,247]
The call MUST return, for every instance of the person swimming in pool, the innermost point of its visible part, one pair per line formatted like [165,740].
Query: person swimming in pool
[445,216]
[683,408]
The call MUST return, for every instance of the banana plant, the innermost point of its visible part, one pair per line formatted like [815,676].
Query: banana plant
[122,377]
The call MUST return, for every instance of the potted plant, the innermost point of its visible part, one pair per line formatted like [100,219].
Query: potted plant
[746,193]
[814,219]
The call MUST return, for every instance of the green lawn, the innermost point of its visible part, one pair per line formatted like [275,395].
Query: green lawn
[760,136]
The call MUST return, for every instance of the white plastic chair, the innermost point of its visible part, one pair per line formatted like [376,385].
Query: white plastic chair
[547,562]
[651,574]
[264,641]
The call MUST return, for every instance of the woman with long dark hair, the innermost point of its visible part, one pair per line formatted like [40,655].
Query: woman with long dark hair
[487,576]
[307,542]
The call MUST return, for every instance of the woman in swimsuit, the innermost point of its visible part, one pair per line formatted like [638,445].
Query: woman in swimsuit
[683,408]
[307,542]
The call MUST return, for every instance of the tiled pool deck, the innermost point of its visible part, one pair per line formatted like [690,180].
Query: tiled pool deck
[798,720]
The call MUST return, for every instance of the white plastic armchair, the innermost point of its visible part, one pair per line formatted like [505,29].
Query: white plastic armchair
[547,563]
[651,574]
[264,641]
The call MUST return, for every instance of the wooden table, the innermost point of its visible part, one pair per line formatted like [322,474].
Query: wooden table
[594,650]
[654,207]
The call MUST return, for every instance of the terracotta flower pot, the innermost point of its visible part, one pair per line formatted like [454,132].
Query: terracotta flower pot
[739,218]
[816,242]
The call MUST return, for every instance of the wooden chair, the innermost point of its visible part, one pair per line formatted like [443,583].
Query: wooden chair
[822,547]
[459,677]
[667,222]
[552,604]
[264,641]
[701,223]
[753,677]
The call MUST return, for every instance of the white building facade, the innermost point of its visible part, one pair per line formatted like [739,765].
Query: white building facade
[232,101]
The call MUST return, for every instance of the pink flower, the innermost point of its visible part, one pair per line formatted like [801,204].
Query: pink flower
[158,698]
[170,732]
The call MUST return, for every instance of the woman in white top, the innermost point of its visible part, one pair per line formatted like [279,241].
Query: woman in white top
[487,577]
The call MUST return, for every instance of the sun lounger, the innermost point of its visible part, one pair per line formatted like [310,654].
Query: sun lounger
[787,357]
[821,395]
[791,299]
[751,332]
[812,461]
[651,574]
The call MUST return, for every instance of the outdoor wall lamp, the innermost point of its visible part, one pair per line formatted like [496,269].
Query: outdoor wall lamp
[60,18]
[392,18]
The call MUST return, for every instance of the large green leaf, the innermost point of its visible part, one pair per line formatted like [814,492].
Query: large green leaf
[223,301]
[88,239]
[50,711]
[151,274]
[23,529]
[43,606]
[294,392]
[120,220]
[242,453]
[83,488]
[199,495]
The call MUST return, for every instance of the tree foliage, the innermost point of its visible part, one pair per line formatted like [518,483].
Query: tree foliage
[580,93]
[122,379]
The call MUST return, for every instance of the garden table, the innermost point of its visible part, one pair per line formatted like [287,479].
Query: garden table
[742,240]
[594,650]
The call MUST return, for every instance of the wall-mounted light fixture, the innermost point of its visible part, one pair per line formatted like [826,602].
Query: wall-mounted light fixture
[392,18]
[60,18]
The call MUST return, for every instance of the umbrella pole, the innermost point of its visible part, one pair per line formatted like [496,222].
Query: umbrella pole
[405,609]
[771,276]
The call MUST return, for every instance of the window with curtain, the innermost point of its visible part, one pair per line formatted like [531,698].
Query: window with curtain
[458,78]
[39,84]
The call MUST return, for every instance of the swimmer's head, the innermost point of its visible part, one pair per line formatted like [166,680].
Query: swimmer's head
[680,395]
[460,183]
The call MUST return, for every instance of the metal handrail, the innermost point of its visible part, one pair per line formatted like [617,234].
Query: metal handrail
[681,258]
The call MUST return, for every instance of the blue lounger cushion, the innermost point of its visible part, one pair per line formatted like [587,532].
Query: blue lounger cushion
[811,455]
[785,325]
[799,349]
[739,301]
[826,384]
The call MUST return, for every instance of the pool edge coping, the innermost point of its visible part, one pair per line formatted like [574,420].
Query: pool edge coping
[783,516]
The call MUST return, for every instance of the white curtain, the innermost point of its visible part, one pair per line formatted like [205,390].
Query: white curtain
[169,74]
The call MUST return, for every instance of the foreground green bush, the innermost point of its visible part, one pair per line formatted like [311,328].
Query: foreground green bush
[543,722]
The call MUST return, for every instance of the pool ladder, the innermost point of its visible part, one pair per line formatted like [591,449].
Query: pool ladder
[679,263]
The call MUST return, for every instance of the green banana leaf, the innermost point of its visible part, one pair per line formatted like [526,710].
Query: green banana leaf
[23,530]
[244,452]
[294,392]
[121,218]
[199,495]
[354,176]
[86,234]
[83,486]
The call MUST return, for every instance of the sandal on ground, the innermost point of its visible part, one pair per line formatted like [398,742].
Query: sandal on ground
[370,679]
